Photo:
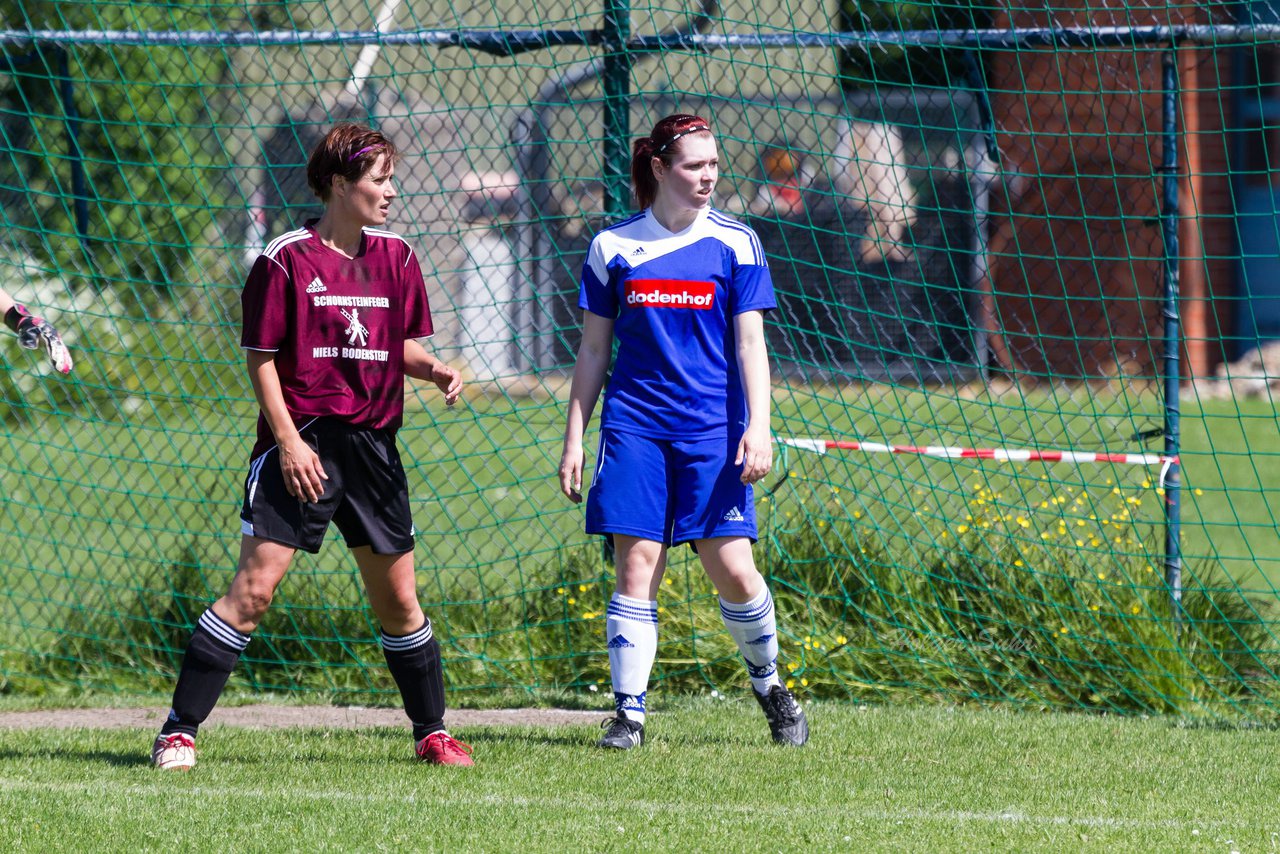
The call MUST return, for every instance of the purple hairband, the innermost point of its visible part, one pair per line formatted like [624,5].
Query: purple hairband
[685,132]
[363,150]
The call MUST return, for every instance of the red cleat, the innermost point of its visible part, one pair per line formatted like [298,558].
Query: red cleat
[440,748]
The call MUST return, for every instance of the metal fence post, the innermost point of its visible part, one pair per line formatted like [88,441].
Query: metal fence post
[615,33]
[1170,474]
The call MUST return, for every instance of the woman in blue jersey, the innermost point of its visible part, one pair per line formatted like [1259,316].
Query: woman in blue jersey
[685,427]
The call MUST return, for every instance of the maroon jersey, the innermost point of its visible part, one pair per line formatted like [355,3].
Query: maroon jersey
[337,326]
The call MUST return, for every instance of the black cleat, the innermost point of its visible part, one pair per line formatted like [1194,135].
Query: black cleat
[786,720]
[622,734]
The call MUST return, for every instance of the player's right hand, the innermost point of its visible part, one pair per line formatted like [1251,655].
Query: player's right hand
[33,331]
[571,472]
[304,476]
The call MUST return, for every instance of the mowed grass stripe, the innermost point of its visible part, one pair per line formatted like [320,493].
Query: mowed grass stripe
[782,812]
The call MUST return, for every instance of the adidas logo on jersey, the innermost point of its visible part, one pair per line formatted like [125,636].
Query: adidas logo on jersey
[620,642]
[639,250]
[734,515]
[316,286]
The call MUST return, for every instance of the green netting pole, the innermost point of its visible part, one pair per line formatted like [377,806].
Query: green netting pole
[617,107]
[1172,330]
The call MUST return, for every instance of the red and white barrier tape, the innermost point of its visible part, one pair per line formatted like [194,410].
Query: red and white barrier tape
[1014,455]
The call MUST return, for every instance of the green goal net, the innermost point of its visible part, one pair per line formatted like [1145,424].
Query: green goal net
[1023,355]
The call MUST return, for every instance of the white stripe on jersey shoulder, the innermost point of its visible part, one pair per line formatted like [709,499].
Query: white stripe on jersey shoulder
[753,242]
[274,247]
[382,232]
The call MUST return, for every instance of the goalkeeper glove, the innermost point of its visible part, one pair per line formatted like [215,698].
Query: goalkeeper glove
[32,331]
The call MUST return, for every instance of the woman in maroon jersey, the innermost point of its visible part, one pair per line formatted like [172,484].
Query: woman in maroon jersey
[331,314]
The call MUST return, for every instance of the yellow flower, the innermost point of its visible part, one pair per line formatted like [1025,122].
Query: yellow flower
[790,684]
[1136,609]
[582,588]
[1018,562]
[1062,630]
[791,667]
[1093,607]
[841,639]
[573,601]
[962,529]
[588,615]
[804,682]
[559,591]
[1198,491]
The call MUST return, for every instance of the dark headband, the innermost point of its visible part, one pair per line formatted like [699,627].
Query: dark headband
[695,129]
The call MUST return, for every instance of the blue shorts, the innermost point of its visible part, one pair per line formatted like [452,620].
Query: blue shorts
[670,491]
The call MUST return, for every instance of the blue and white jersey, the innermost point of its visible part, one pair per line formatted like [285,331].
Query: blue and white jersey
[673,296]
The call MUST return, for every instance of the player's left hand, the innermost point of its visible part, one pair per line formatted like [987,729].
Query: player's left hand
[33,331]
[755,455]
[448,380]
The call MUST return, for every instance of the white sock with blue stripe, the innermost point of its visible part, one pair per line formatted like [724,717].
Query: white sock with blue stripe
[631,629]
[755,629]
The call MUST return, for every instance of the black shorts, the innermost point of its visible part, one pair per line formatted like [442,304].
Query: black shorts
[366,495]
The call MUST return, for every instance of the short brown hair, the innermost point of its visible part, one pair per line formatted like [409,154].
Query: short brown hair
[348,150]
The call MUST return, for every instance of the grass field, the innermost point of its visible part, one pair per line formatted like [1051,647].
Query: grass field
[871,779]
[105,511]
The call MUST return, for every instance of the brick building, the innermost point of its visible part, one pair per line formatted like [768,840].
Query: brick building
[1075,246]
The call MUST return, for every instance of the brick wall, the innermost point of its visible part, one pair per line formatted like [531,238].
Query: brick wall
[1076,249]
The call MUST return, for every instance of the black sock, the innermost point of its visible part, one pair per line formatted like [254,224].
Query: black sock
[211,655]
[414,661]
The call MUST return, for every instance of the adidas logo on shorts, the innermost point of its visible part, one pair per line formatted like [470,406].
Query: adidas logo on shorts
[316,286]
[734,515]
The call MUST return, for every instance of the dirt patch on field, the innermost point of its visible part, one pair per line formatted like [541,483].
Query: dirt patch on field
[268,717]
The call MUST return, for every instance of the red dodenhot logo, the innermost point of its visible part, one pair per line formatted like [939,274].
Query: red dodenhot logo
[670,293]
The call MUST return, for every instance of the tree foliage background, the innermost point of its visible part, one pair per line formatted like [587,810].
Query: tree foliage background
[140,123]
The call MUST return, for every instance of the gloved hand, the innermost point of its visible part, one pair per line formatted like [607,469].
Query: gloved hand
[33,331]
